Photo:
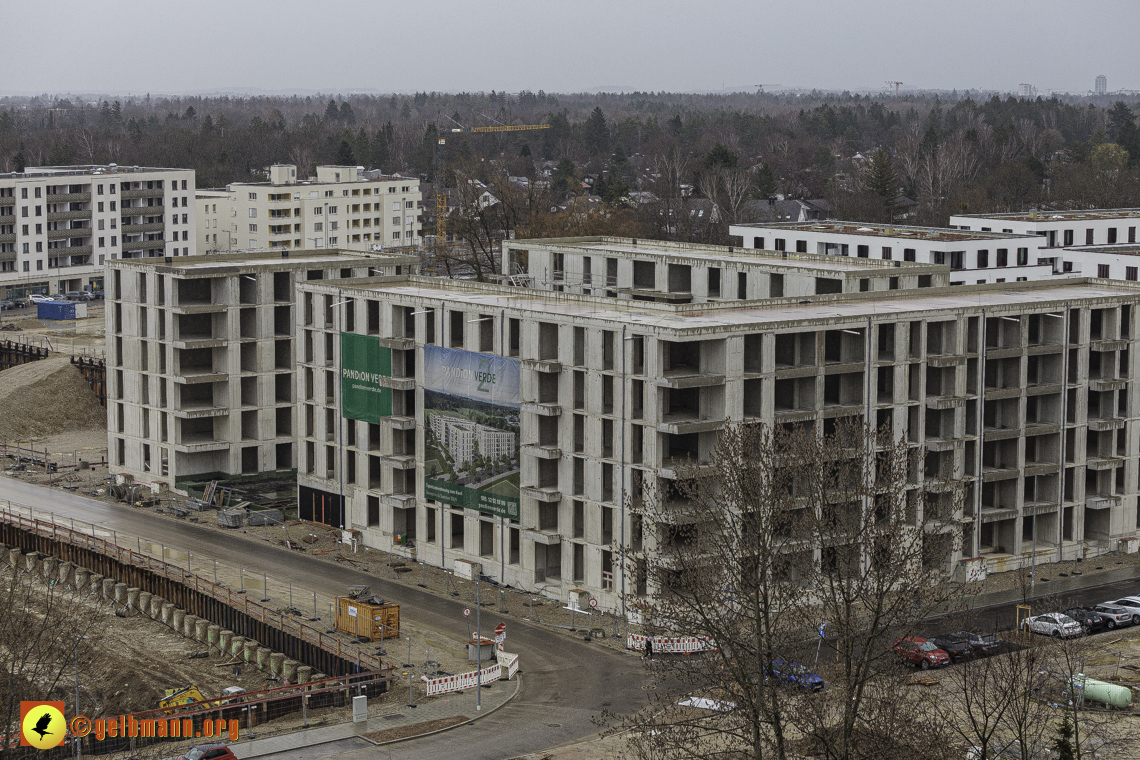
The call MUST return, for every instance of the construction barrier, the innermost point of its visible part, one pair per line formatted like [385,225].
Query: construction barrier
[511,664]
[671,644]
[462,681]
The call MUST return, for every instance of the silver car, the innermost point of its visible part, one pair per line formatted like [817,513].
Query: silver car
[1056,624]
[1114,615]
[1132,604]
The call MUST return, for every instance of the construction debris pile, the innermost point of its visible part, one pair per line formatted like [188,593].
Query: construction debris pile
[46,398]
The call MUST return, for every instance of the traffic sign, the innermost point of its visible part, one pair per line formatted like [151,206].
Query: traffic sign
[466,612]
[593,602]
[822,626]
[500,629]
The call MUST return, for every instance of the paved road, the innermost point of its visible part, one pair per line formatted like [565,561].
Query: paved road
[568,681]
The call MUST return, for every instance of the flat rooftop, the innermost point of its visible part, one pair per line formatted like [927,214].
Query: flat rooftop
[713,254]
[33,172]
[998,297]
[902,232]
[1130,249]
[1059,216]
[222,263]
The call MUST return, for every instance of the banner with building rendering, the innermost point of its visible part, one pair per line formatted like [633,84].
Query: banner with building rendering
[471,424]
[363,362]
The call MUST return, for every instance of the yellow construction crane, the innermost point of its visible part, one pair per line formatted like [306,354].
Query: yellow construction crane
[440,170]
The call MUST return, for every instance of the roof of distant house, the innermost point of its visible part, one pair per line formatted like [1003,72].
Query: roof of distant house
[902,232]
[1053,216]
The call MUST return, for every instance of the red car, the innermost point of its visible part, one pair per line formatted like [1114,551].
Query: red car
[209,752]
[922,653]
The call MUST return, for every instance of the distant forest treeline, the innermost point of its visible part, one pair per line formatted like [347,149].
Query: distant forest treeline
[948,153]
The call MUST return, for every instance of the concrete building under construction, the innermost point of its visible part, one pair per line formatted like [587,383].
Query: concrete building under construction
[201,359]
[1024,391]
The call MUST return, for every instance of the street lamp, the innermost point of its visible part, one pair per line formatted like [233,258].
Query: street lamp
[78,741]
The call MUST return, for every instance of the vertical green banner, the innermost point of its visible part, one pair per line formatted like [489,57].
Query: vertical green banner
[363,362]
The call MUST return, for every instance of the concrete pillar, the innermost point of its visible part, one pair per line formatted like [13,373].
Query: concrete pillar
[167,613]
[31,562]
[249,651]
[212,632]
[290,670]
[189,625]
[225,639]
[144,602]
[202,630]
[177,617]
[95,582]
[66,573]
[276,664]
[109,588]
[82,576]
[156,605]
[263,657]
[47,568]
[237,645]
[15,557]
[133,598]
[120,591]
[304,674]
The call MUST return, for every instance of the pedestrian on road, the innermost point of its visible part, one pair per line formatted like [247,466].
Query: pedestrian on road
[648,648]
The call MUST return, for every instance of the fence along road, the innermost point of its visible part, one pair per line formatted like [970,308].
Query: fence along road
[566,682]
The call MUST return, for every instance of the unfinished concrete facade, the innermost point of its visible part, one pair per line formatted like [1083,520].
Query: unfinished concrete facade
[654,270]
[614,393]
[201,359]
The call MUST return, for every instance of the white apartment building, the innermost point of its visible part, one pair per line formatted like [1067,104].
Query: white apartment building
[1061,229]
[60,224]
[974,258]
[342,207]
[201,360]
[1107,262]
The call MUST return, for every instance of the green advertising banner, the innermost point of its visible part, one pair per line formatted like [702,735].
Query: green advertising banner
[471,430]
[363,362]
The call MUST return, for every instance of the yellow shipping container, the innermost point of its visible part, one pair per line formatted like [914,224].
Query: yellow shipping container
[372,620]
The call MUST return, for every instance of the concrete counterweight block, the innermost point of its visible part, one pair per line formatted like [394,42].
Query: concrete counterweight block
[156,605]
[82,576]
[95,582]
[225,640]
[31,562]
[121,594]
[144,602]
[66,573]
[237,645]
[201,630]
[47,568]
[176,619]
[304,674]
[263,657]
[167,612]
[188,626]
[133,598]
[212,632]
[276,664]
[15,557]
[290,670]
[109,588]
[249,651]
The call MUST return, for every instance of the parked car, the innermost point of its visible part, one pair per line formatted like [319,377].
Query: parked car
[1055,624]
[922,653]
[1090,619]
[1132,604]
[980,643]
[6,305]
[795,674]
[209,752]
[75,295]
[957,648]
[1114,615]
[37,298]
[96,295]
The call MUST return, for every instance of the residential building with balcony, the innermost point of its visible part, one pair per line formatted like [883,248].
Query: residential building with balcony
[201,360]
[60,224]
[342,207]
[974,258]
[1061,229]
[1027,393]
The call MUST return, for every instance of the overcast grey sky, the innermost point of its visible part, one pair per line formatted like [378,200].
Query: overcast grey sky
[164,47]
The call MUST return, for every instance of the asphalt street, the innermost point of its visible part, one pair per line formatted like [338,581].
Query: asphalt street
[568,682]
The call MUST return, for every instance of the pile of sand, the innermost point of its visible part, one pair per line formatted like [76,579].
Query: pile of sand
[44,398]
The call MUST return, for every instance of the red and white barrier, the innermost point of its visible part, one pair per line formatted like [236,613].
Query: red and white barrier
[503,670]
[672,644]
